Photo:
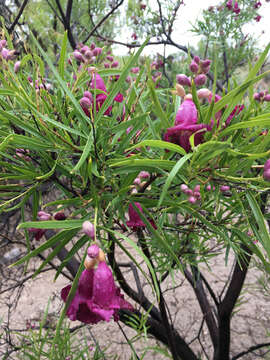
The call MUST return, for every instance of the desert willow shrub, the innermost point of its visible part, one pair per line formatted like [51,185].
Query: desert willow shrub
[176,175]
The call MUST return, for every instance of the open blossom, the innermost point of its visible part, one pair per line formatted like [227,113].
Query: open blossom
[97,297]
[87,100]
[185,125]
[135,222]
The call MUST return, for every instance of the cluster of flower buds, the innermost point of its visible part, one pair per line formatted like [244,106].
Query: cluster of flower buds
[5,53]
[39,84]
[86,54]
[261,96]
[233,7]
[199,68]
[44,216]
[142,175]
[22,153]
[193,195]
[266,170]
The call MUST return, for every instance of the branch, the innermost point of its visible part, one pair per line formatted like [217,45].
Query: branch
[15,22]
[227,304]
[205,306]
[66,21]
[102,21]
[249,350]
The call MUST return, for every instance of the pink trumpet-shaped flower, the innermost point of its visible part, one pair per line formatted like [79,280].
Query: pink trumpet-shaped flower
[97,298]
[135,222]
[185,125]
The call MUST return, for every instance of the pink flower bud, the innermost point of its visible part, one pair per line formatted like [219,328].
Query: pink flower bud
[110,58]
[88,229]
[206,63]
[256,96]
[17,66]
[84,49]
[135,70]
[203,93]
[267,97]
[97,51]
[197,194]
[229,5]
[88,95]
[114,64]
[5,53]
[93,251]
[200,80]
[85,102]
[188,192]
[267,165]
[196,59]
[257,18]
[184,187]
[106,65]
[88,54]
[194,67]
[144,174]
[3,43]
[224,188]
[266,175]
[128,79]
[42,215]
[183,80]
[78,56]
[197,188]
[92,46]
[192,199]
[137,181]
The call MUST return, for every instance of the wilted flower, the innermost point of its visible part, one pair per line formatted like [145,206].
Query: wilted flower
[97,298]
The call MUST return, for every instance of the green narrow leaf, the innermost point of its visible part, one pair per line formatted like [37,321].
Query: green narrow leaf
[61,65]
[159,144]
[171,176]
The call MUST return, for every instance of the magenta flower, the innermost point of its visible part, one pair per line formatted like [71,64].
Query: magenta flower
[257,18]
[229,5]
[185,125]
[87,100]
[97,298]
[135,222]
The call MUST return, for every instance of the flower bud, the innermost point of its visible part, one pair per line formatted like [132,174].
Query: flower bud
[256,96]
[184,187]
[106,65]
[84,49]
[78,56]
[194,67]
[266,165]
[42,215]
[197,59]
[128,79]
[203,93]
[180,91]
[192,199]
[267,97]
[89,229]
[135,70]
[17,66]
[137,181]
[266,175]
[114,64]
[93,251]
[97,51]
[224,188]
[60,215]
[182,79]
[144,174]
[197,188]
[206,63]
[85,103]
[5,53]
[197,194]
[88,54]
[3,43]
[110,58]
[200,80]
[88,95]
[92,46]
